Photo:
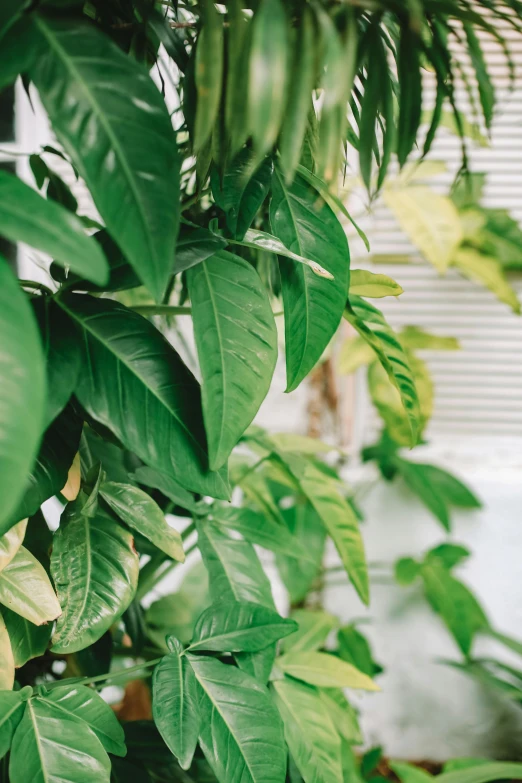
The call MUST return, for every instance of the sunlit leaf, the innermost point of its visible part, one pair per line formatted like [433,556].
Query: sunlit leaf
[25,588]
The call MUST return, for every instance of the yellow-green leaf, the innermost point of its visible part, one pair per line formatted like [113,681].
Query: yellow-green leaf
[355,352]
[487,271]
[7,666]
[11,542]
[375,286]
[25,588]
[325,671]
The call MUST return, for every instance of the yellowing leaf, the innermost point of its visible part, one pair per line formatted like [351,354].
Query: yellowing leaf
[375,286]
[431,222]
[25,588]
[72,486]
[325,671]
[487,271]
[7,666]
[10,543]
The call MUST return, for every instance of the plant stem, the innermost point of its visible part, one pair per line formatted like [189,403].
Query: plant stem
[109,675]
[161,310]
[37,286]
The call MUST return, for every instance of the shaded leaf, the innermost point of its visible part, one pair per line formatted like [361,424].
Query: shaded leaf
[259,529]
[195,244]
[7,668]
[241,190]
[487,271]
[11,542]
[11,712]
[27,639]
[261,240]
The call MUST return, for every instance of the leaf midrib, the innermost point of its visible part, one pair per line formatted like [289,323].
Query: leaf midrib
[88,580]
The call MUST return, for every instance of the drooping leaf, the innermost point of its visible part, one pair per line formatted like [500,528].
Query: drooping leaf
[7,666]
[85,703]
[487,271]
[309,731]
[313,306]
[410,81]
[314,628]
[22,393]
[260,530]
[354,648]
[18,44]
[323,670]
[452,490]
[27,639]
[153,409]
[25,588]
[364,283]
[175,704]
[51,745]
[261,240]
[240,728]
[485,85]
[420,483]
[11,542]
[141,512]
[27,217]
[129,156]
[372,326]
[95,568]
[239,626]
[236,340]
[11,712]
[241,191]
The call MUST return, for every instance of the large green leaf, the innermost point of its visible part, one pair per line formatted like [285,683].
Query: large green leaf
[25,588]
[175,704]
[483,773]
[236,339]
[27,217]
[343,715]
[337,516]
[314,628]
[259,529]
[373,327]
[18,44]
[62,355]
[11,713]
[420,482]
[239,626]
[306,526]
[7,666]
[95,568]
[166,485]
[326,671]
[153,408]
[11,542]
[22,392]
[309,732]
[141,512]
[50,745]
[241,733]
[195,244]
[111,119]
[208,73]
[241,191]
[27,639]
[85,703]
[313,306]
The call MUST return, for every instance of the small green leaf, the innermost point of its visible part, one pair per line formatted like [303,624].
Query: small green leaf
[175,704]
[314,628]
[419,481]
[414,338]
[325,671]
[239,626]
[364,283]
[25,588]
[141,512]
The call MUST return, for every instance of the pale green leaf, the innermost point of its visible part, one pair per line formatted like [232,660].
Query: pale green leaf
[314,628]
[375,286]
[7,663]
[355,352]
[12,705]
[25,588]
[325,671]
[487,271]
[11,542]
[27,639]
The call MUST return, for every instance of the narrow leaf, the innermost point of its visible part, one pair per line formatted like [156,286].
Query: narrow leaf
[261,240]
[208,72]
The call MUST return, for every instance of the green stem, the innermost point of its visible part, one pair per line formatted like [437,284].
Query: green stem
[188,530]
[109,675]
[161,310]
[37,286]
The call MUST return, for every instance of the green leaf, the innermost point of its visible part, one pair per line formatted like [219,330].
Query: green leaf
[355,352]
[62,355]
[289,441]
[95,568]
[241,190]
[408,773]
[431,222]
[27,639]
[323,670]
[420,482]
[175,704]
[494,770]
[267,73]
[364,283]
[309,732]
[485,86]
[166,485]
[240,728]
[450,488]
[337,516]
[305,524]
[11,542]
[50,745]
[129,158]
[195,244]
[343,715]
[141,512]
[18,47]
[236,339]
[7,669]
[487,271]
[355,649]
[85,703]
[261,240]
[27,217]
[25,588]
[11,713]
[154,407]
[314,628]
[313,306]
[259,529]
[449,555]
[208,72]
[239,626]
[406,570]
[22,392]
[414,338]
[372,326]
[410,81]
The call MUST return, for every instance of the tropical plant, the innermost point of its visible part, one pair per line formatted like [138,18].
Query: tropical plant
[217,189]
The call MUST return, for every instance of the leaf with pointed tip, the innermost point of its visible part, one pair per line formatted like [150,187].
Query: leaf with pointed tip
[323,670]
[239,626]
[95,569]
[166,485]
[25,588]
[314,628]
[306,526]
[259,529]
[11,542]
[240,728]
[365,283]
[22,393]
[11,712]
[27,639]
[153,408]
[260,240]
[51,745]
[88,705]
[129,156]
[175,704]
[7,667]
[241,191]
[313,306]
[141,512]
[236,339]
[309,731]
[18,45]
[195,244]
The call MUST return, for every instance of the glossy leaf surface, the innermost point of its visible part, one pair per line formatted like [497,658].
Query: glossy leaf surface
[27,639]
[259,529]
[364,283]
[25,588]
[241,191]
[11,542]
[11,711]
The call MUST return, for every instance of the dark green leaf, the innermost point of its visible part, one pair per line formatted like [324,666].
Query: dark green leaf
[124,149]
[354,648]
[450,488]
[18,48]
[166,485]
[260,530]
[421,484]
[484,83]
[195,245]
[27,640]
[305,524]
[208,72]
[11,713]
[410,81]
